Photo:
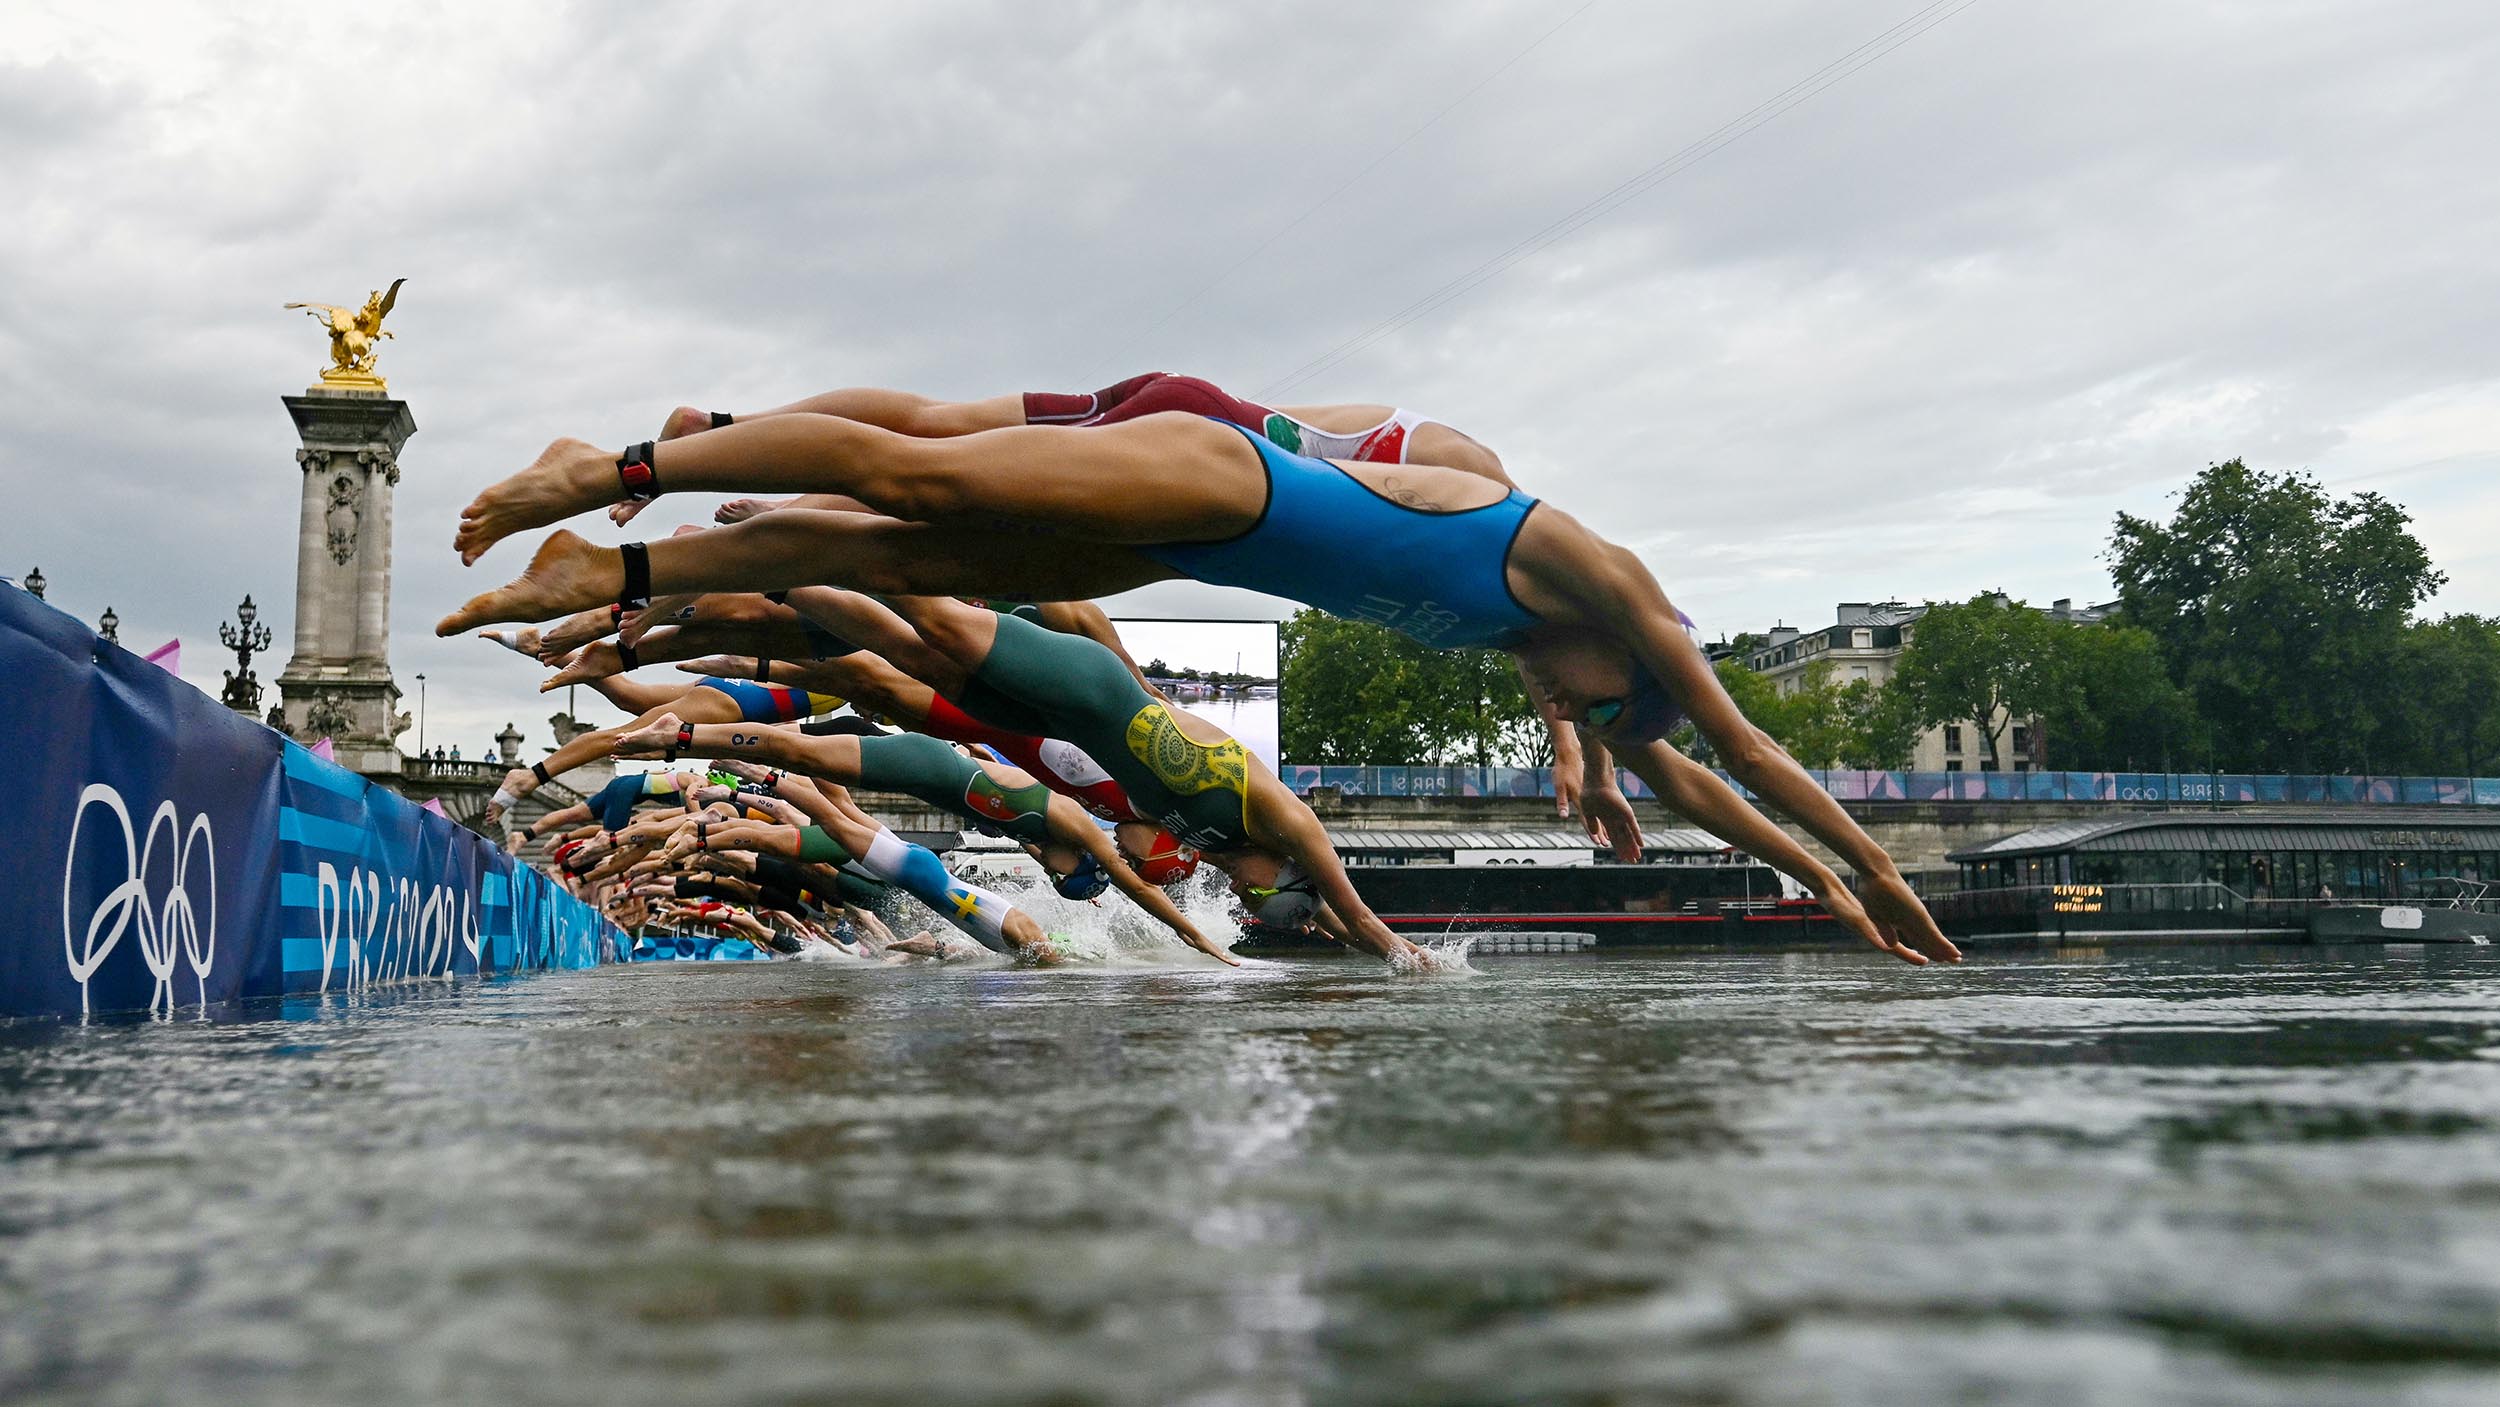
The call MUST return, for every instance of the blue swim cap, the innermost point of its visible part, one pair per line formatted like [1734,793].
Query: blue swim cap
[1085,881]
[1649,711]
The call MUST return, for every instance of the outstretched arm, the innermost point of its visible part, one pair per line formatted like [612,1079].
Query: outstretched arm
[1661,645]
[1291,830]
[1070,821]
[1697,794]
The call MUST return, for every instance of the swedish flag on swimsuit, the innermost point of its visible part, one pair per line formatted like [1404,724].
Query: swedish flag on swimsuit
[1331,540]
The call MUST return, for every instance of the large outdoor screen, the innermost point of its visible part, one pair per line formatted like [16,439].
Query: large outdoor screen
[1221,669]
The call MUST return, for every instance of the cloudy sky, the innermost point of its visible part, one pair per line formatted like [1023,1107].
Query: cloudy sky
[1921,336]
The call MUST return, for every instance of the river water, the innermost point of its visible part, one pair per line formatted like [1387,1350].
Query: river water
[2133,1177]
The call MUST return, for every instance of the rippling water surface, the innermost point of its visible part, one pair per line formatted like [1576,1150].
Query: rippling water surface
[2254,1176]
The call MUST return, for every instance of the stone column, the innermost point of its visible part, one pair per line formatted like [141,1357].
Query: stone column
[338,685]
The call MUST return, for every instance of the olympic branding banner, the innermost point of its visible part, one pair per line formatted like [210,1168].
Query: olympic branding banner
[162,851]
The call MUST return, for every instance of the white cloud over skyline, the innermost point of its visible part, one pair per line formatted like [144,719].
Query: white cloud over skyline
[1921,337]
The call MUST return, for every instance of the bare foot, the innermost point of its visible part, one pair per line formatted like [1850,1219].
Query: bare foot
[598,660]
[684,421]
[667,610]
[738,510]
[575,631]
[652,740]
[568,477]
[524,641]
[721,666]
[568,574]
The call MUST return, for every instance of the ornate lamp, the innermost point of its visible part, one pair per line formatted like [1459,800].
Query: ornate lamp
[34,582]
[110,627]
[242,690]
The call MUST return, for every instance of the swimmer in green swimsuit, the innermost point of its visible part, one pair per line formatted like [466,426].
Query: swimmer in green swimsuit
[1183,771]
[1439,554]
[987,794]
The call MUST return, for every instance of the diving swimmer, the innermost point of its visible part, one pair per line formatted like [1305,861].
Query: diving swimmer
[1439,554]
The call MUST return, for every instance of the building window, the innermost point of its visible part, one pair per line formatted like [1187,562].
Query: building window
[1953,737]
[1953,764]
[2022,764]
[1987,764]
[2022,738]
[1857,671]
[1861,639]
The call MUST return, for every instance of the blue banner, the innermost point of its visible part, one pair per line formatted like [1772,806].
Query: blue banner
[166,852]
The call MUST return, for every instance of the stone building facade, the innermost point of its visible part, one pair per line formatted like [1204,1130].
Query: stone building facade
[1865,641]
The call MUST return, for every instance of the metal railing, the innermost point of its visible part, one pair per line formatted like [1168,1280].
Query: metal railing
[2199,789]
[2085,908]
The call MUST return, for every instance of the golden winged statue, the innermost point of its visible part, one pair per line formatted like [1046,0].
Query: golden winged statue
[355,334]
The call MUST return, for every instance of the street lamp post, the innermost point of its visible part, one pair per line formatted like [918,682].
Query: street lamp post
[34,582]
[420,715]
[242,690]
[110,627]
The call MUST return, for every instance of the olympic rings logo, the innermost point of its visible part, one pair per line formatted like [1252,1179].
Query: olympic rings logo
[168,928]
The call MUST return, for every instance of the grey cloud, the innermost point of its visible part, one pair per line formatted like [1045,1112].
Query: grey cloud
[1922,336]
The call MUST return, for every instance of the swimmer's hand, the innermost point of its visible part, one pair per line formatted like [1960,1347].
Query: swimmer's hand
[1566,791]
[1607,814]
[1887,913]
[652,740]
[1211,948]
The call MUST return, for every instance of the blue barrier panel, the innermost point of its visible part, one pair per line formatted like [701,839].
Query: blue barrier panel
[166,851]
[688,947]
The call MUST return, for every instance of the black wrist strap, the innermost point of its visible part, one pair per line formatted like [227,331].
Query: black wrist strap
[628,656]
[721,419]
[778,598]
[539,770]
[636,471]
[637,593]
[763,669]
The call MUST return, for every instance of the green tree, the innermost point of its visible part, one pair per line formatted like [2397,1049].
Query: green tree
[2281,611]
[2111,705]
[1881,730]
[1821,724]
[1357,693]
[2442,713]
[1984,661]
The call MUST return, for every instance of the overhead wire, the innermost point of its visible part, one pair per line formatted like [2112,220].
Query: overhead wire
[1342,187]
[1918,22]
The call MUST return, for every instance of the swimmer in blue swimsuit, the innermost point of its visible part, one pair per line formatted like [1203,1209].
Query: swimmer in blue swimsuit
[1056,513]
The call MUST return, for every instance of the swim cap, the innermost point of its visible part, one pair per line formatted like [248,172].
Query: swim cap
[1085,881]
[1649,711]
[1170,863]
[1294,901]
